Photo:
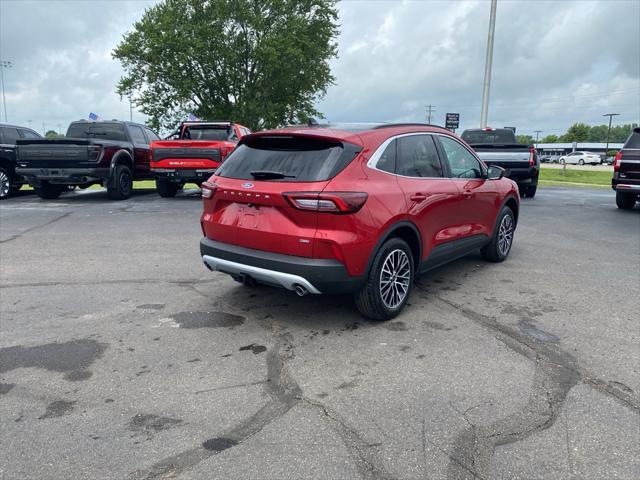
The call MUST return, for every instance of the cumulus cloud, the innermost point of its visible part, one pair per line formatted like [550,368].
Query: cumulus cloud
[554,63]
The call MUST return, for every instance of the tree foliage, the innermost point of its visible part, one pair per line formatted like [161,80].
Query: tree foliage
[580,132]
[52,134]
[263,63]
[525,139]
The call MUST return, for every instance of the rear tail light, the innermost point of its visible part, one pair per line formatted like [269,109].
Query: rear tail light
[532,156]
[331,202]
[151,155]
[224,151]
[208,189]
[616,161]
[93,152]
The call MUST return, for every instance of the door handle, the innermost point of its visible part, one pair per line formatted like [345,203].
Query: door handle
[418,197]
[467,194]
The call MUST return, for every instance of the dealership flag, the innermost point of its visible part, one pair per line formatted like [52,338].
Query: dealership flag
[192,117]
[94,117]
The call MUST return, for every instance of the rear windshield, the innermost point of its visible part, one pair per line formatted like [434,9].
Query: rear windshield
[296,159]
[206,133]
[488,137]
[634,140]
[105,131]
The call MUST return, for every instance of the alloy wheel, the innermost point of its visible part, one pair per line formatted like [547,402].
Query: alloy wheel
[395,278]
[5,184]
[505,235]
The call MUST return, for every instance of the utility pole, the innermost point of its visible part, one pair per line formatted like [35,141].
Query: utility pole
[29,122]
[430,109]
[487,66]
[4,64]
[538,132]
[610,115]
[44,132]
[130,109]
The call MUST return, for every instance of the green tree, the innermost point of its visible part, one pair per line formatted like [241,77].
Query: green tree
[578,132]
[550,139]
[525,139]
[52,134]
[263,63]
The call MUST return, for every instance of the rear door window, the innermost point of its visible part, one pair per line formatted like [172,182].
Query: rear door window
[151,135]
[10,135]
[28,134]
[136,135]
[488,137]
[288,159]
[104,131]
[418,157]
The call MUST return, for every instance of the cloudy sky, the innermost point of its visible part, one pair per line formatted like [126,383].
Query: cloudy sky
[555,62]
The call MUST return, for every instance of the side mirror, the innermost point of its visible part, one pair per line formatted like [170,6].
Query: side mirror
[495,172]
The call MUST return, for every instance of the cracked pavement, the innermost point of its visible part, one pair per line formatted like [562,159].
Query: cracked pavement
[121,356]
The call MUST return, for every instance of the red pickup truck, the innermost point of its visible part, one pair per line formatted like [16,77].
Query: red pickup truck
[192,154]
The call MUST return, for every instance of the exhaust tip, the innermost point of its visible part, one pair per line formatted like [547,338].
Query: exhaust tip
[300,290]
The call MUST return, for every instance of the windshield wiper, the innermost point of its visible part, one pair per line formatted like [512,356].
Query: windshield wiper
[269,175]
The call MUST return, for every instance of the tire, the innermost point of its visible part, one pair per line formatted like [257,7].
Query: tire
[121,184]
[47,191]
[581,162]
[562,161]
[5,184]
[496,250]
[167,189]
[377,301]
[529,191]
[625,201]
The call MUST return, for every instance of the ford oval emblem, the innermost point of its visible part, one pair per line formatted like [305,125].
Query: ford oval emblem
[247,185]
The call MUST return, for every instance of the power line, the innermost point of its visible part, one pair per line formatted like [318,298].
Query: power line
[429,109]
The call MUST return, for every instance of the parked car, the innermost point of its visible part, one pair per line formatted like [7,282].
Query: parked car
[499,146]
[109,153]
[626,172]
[194,153]
[10,181]
[549,159]
[362,211]
[581,158]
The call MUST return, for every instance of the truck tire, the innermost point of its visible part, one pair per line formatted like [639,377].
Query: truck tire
[121,184]
[375,300]
[48,191]
[529,191]
[5,184]
[625,201]
[500,245]
[167,189]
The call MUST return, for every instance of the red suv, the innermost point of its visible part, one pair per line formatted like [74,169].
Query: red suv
[347,209]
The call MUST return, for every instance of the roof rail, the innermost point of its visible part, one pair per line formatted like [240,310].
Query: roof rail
[417,124]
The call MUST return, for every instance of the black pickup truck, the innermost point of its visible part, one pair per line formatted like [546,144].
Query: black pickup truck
[499,146]
[109,153]
[626,172]
[10,181]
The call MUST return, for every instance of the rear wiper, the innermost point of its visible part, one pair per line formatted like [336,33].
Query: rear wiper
[269,175]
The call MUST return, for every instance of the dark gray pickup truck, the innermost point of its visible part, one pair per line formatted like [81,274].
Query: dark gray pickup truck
[109,153]
[499,146]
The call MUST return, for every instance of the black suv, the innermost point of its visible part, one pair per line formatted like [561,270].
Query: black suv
[10,181]
[626,172]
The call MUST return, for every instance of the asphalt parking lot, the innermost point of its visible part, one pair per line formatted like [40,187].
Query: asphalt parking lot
[121,356]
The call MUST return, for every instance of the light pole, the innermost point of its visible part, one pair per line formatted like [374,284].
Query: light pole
[4,64]
[606,149]
[487,66]
[538,132]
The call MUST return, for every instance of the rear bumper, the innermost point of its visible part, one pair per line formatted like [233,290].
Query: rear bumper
[183,175]
[63,175]
[631,186]
[286,271]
